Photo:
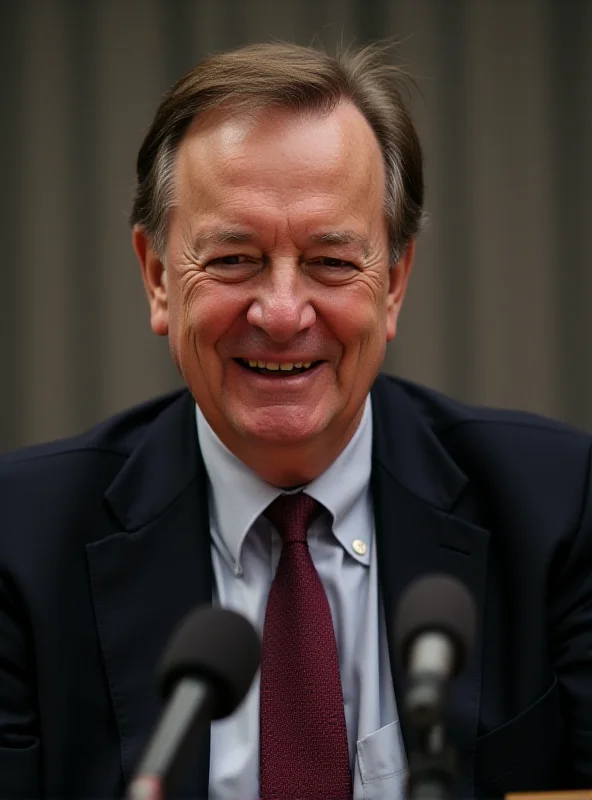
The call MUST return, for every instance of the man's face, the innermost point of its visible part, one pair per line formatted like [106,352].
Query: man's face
[276,292]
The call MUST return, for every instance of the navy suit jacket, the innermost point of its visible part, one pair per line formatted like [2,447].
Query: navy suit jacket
[104,547]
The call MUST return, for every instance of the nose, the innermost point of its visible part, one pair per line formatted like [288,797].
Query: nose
[282,306]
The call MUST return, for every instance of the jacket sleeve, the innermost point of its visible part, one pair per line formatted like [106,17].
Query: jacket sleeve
[20,760]
[570,620]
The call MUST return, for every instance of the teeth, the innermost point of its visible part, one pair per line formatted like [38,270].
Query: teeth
[286,366]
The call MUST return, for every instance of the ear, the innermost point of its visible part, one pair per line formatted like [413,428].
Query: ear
[155,281]
[398,279]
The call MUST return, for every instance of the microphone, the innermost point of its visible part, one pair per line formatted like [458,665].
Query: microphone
[205,673]
[435,632]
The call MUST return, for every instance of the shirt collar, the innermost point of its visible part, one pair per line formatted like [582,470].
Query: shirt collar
[238,496]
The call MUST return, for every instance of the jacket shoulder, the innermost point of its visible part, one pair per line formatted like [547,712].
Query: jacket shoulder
[445,414]
[524,473]
[506,453]
[55,492]
[116,436]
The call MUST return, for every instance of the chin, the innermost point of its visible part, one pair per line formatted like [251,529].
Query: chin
[288,427]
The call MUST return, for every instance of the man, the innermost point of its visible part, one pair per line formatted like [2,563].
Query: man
[279,195]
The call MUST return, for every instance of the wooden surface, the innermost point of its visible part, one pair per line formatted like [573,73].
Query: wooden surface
[585,794]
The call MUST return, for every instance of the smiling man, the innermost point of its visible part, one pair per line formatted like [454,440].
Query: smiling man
[278,199]
[276,286]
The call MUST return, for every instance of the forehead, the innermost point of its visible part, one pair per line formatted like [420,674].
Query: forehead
[281,158]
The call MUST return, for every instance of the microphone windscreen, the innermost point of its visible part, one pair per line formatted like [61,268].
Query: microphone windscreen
[217,646]
[436,603]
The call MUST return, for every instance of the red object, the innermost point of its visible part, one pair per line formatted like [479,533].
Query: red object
[304,750]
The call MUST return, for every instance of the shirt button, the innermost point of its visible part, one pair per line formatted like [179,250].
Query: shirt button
[359,547]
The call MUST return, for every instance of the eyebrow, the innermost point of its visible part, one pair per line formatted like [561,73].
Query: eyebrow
[341,238]
[238,236]
[223,237]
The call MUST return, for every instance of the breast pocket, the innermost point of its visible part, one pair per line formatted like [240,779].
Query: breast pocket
[381,764]
[524,753]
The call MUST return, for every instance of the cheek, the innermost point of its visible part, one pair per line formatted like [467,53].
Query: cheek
[201,319]
[358,320]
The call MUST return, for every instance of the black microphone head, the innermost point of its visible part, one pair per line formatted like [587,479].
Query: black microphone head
[436,603]
[217,646]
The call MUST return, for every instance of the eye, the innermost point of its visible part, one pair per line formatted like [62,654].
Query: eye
[331,270]
[230,261]
[234,267]
[326,261]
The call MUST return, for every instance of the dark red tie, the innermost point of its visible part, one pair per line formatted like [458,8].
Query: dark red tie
[304,750]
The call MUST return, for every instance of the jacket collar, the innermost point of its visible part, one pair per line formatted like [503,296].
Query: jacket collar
[150,573]
[164,463]
[408,449]
[417,491]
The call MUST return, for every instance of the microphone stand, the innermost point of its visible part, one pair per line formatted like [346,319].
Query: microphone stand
[432,765]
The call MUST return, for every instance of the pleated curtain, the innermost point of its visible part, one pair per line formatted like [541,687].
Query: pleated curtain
[499,308]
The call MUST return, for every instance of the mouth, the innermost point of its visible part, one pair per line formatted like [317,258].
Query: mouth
[278,369]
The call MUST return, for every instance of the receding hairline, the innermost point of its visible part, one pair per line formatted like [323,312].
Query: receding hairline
[297,79]
[211,120]
[227,111]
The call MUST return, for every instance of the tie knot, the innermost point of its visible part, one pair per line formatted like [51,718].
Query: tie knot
[292,515]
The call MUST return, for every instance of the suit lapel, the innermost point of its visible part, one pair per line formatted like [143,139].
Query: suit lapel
[148,575]
[415,485]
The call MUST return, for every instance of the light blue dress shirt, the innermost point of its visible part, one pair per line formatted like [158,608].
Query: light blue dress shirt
[245,554]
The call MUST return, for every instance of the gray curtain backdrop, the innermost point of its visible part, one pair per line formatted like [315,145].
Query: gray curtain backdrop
[499,306]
